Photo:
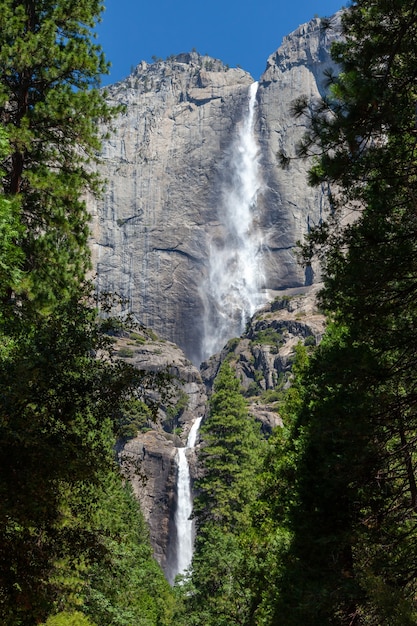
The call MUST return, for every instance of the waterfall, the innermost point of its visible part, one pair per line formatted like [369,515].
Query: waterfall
[185,525]
[231,294]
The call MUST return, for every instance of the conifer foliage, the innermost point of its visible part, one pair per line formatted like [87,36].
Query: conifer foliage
[219,591]
[228,457]
[73,545]
[353,522]
[49,106]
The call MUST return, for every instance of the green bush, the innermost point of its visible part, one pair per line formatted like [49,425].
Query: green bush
[174,412]
[271,395]
[68,619]
[134,418]
[137,338]
[125,352]
[268,336]
[252,390]
[310,341]
[233,343]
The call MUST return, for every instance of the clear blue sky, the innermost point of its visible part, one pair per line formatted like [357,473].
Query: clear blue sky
[239,32]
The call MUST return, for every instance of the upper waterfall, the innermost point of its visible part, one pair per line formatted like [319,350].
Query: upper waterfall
[232,291]
[171,164]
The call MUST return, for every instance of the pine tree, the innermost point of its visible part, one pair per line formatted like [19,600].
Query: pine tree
[228,457]
[220,592]
[50,106]
[355,526]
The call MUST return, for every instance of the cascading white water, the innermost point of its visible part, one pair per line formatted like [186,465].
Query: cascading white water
[232,291]
[185,525]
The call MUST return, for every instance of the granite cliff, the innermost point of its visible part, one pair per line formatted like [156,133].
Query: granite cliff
[162,224]
[166,165]
[148,457]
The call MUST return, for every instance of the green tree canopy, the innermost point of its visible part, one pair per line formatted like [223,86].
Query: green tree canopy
[11,255]
[353,550]
[50,107]
[229,455]
[73,546]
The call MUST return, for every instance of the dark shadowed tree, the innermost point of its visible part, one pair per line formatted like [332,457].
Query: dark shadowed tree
[71,535]
[352,557]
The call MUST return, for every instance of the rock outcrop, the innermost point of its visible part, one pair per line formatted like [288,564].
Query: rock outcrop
[164,163]
[148,459]
[263,356]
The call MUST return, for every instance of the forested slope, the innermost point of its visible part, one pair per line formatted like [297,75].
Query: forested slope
[73,542]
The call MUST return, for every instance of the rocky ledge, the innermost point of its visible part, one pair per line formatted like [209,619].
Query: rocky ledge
[148,456]
[263,356]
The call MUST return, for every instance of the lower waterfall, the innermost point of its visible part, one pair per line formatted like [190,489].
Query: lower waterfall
[185,525]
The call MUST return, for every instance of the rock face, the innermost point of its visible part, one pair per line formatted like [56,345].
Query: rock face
[262,357]
[290,206]
[148,459]
[151,232]
[164,163]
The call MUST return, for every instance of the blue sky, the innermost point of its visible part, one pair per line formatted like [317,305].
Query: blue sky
[239,32]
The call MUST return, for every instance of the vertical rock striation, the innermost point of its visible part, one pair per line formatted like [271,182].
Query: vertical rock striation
[148,459]
[151,232]
[289,206]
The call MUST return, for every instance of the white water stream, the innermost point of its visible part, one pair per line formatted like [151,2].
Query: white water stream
[232,292]
[185,525]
